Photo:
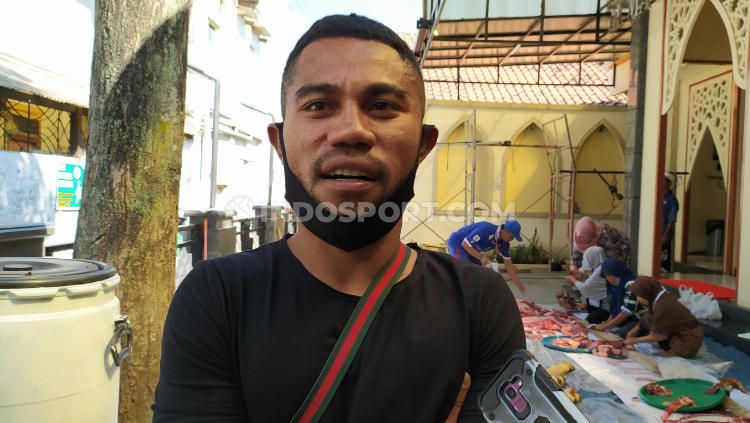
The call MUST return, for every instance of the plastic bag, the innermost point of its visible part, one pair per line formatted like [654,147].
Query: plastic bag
[702,306]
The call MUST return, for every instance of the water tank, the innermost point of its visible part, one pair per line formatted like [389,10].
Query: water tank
[62,339]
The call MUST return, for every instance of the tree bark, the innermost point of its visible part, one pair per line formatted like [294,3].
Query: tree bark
[128,216]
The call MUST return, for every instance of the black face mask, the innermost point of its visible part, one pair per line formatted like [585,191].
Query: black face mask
[346,231]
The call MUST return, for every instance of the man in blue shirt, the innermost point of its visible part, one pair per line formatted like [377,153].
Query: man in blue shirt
[471,241]
[669,217]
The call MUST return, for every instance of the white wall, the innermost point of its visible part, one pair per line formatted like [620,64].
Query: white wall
[650,141]
[29,193]
[743,272]
[501,122]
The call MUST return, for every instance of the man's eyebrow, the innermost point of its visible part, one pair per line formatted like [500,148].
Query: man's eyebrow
[377,89]
[319,88]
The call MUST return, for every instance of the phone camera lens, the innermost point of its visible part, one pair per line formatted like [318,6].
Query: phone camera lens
[510,393]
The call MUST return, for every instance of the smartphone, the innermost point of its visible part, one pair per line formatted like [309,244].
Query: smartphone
[523,391]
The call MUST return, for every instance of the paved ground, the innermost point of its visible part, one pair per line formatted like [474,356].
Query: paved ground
[541,286]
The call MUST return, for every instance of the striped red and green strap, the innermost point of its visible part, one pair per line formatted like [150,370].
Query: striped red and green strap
[351,337]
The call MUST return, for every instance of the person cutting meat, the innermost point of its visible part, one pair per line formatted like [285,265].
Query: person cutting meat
[470,242]
[667,321]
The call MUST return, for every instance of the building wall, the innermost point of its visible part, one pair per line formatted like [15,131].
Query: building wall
[652,116]
[223,46]
[743,273]
[503,122]
[29,193]
[743,229]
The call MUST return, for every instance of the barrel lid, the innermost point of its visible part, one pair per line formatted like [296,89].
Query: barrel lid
[35,272]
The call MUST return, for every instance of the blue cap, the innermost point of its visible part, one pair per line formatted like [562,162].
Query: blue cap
[513,227]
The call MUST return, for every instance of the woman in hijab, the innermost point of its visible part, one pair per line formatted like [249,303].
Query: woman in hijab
[667,322]
[624,309]
[591,284]
[589,233]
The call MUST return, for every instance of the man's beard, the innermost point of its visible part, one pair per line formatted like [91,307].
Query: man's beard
[347,232]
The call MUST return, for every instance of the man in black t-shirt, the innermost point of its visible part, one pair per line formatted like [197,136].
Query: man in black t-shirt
[247,335]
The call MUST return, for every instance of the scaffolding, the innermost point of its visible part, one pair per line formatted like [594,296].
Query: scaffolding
[562,182]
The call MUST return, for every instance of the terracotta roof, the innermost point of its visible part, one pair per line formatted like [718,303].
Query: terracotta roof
[518,84]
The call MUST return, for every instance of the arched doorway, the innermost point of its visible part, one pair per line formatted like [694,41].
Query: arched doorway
[703,100]
[706,210]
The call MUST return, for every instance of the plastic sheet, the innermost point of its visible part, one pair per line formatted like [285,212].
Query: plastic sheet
[599,402]
[703,366]
[606,409]
[579,378]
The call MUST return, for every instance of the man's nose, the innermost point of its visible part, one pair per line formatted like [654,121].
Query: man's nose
[352,128]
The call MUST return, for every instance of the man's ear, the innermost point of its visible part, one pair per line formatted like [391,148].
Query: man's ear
[428,141]
[274,136]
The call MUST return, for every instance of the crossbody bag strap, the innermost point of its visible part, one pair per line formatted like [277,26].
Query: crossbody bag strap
[351,337]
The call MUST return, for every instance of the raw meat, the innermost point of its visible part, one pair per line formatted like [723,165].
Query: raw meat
[566,343]
[658,390]
[712,390]
[673,406]
[606,350]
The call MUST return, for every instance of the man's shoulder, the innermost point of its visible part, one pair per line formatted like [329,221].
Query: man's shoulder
[244,263]
[469,276]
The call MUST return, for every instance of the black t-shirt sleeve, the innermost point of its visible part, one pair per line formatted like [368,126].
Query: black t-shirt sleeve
[199,380]
[497,332]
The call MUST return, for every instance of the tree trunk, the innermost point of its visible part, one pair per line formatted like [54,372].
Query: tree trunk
[128,216]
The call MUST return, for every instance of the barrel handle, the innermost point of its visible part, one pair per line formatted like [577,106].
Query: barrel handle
[124,337]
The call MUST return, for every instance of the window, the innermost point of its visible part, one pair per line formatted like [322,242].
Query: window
[30,127]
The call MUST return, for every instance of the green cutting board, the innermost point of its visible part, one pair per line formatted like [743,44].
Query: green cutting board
[693,388]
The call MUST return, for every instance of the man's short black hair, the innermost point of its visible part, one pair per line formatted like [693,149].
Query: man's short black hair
[351,26]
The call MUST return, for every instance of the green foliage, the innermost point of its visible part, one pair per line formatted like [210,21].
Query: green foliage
[530,252]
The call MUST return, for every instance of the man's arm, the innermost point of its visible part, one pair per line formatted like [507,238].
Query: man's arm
[612,322]
[652,337]
[474,253]
[198,377]
[511,269]
[496,331]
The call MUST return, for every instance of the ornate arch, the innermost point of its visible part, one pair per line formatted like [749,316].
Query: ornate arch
[681,17]
[710,110]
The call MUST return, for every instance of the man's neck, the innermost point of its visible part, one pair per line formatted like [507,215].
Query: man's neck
[347,272]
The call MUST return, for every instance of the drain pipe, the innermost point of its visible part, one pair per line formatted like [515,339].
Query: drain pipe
[270,154]
[214,132]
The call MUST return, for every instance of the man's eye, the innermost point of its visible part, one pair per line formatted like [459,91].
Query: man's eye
[316,106]
[382,105]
